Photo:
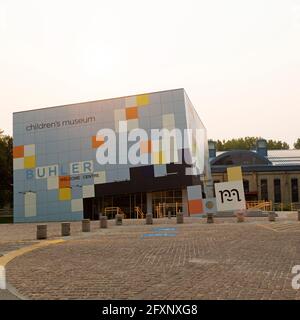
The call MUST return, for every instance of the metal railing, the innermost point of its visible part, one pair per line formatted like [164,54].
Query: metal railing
[260,205]
[162,209]
[113,211]
[270,206]
[139,213]
[295,206]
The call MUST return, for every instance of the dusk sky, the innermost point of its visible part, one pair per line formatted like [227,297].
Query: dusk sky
[239,61]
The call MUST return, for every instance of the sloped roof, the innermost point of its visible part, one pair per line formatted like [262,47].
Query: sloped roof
[240,157]
[284,157]
[279,157]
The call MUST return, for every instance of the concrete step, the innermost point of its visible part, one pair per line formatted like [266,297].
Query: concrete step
[249,213]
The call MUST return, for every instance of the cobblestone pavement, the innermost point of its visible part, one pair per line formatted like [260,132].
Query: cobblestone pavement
[224,260]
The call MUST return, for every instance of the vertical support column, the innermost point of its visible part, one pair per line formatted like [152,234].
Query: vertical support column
[254,182]
[287,196]
[149,202]
[185,202]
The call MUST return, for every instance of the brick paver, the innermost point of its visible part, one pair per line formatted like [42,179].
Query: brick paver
[225,260]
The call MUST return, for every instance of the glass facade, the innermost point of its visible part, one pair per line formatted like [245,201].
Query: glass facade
[164,202]
[94,207]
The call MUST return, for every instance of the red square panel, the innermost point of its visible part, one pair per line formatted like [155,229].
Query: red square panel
[195,206]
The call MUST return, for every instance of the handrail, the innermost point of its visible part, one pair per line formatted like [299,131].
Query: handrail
[161,208]
[270,206]
[295,206]
[112,210]
[139,213]
[260,205]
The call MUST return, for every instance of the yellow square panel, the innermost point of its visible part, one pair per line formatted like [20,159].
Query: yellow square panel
[64,194]
[159,157]
[142,99]
[234,174]
[29,162]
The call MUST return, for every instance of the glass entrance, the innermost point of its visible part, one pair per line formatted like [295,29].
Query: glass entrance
[167,202]
[130,204]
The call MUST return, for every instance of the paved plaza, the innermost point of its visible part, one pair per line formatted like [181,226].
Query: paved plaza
[196,260]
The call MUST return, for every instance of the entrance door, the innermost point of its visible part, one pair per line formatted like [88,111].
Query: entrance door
[126,202]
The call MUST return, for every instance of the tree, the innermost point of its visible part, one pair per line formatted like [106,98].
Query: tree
[277,145]
[6,169]
[297,144]
[248,143]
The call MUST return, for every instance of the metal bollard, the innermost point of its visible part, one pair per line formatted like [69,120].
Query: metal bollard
[103,222]
[149,218]
[210,218]
[299,215]
[240,216]
[272,216]
[179,217]
[86,226]
[41,231]
[65,229]
[119,219]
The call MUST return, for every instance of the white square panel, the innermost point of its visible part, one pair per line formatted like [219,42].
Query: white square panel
[130,102]
[100,178]
[132,124]
[168,121]
[119,115]
[77,205]
[29,150]
[121,126]
[30,204]
[52,183]
[88,191]
[18,163]
[230,196]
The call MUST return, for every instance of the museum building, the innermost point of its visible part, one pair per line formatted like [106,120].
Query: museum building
[58,175]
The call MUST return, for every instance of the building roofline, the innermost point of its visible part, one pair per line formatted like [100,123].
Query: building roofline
[233,152]
[91,101]
[259,168]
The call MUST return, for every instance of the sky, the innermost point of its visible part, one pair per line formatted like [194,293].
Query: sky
[239,61]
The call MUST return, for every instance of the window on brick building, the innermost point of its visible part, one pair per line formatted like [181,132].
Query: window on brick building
[295,190]
[277,190]
[264,189]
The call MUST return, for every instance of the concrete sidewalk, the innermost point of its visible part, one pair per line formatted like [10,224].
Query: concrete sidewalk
[6,295]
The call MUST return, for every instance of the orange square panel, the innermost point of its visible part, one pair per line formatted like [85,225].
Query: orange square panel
[146,146]
[195,206]
[97,141]
[131,113]
[18,152]
[64,182]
